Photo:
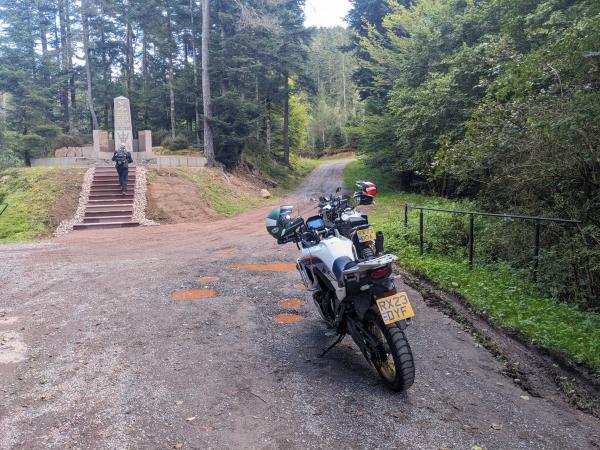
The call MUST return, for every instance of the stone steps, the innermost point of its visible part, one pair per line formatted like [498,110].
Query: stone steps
[108,185]
[107,207]
[107,218]
[108,211]
[103,225]
[114,191]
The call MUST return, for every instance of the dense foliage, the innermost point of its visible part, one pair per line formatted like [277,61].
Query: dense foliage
[496,100]
[495,289]
[63,61]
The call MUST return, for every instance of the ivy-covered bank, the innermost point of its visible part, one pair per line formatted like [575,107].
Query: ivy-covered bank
[494,288]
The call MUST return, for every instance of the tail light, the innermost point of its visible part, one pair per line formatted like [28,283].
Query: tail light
[381,273]
[390,293]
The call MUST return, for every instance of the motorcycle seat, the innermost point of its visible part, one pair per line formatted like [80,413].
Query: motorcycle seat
[339,265]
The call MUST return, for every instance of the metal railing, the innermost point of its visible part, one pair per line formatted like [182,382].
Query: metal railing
[470,243]
[3,207]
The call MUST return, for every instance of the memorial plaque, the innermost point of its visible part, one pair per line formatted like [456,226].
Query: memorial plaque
[123,131]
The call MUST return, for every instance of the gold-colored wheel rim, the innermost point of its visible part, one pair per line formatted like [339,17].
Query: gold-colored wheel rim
[387,366]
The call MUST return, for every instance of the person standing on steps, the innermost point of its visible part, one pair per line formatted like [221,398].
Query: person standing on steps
[122,158]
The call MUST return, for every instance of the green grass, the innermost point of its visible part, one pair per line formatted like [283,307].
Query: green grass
[221,193]
[287,178]
[31,193]
[186,152]
[501,292]
[230,196]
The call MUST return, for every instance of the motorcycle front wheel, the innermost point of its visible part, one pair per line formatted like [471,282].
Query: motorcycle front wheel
[393,357]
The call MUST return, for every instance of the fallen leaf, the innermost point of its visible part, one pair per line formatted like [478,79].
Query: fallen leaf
[359,413]
[191,419]
[178,402]
[178,446]
[524,397]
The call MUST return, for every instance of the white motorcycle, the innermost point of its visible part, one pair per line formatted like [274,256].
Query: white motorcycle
[354,295]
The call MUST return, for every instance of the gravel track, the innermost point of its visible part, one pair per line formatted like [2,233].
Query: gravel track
[108,361]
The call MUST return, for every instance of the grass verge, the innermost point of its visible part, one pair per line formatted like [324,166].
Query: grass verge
[39,199]
[224,193]
[502,293]
[287,178]
[231,194]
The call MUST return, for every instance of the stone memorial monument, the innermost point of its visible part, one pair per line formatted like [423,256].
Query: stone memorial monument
[123,128]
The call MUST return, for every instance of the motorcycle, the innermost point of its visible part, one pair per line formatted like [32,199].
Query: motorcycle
[353,295]
[340,212]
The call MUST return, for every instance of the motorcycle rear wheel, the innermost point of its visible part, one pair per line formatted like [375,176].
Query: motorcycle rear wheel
[394,359]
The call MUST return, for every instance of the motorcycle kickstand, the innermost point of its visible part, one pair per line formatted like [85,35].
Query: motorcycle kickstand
[337,341]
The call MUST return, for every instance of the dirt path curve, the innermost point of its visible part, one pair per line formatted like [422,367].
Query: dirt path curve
[95,354]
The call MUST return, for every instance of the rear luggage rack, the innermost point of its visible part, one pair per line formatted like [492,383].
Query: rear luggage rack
[370,264]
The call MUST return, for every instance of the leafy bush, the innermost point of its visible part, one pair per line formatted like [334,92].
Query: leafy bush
[9,159]
[500,290]
[66,140]
[177,143]
[47,131]
[497,101]
[158,136]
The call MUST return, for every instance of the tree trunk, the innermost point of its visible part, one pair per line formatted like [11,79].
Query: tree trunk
[145,77]
[269,138]
[70,56]
[129,56]
[258,124]
[195,63]
[64,95]
[344,87]
[209,151]
[286,121]
[171,74]
[42,23]
[105,76]
[88,70]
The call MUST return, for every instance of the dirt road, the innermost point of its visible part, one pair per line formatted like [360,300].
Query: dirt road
[94,353]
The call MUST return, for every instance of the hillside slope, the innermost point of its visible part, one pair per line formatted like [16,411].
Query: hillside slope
[39,199]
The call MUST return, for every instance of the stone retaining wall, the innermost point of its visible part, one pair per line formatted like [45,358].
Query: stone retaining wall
[180,161]
[148,159]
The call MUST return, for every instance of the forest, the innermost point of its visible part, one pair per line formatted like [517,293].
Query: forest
[495,102]
[273,84]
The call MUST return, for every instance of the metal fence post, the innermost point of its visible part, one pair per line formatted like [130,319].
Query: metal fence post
[421,242]
[536,251]
[471,238]
[406,215]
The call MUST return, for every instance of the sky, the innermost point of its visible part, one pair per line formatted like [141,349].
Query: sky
[326,13]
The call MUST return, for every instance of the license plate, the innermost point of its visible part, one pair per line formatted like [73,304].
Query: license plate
[367,235]
[395,308]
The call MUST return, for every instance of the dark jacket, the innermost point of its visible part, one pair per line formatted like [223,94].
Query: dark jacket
[129,158]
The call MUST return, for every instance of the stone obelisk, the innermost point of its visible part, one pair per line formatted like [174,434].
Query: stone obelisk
[123,131]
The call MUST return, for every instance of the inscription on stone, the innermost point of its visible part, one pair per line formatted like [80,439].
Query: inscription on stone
[123,131]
